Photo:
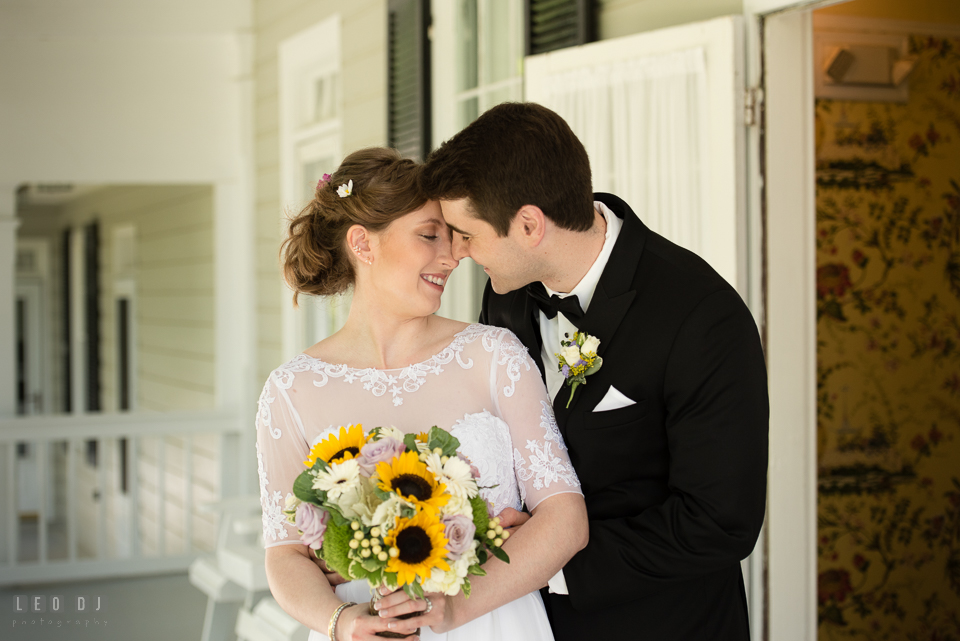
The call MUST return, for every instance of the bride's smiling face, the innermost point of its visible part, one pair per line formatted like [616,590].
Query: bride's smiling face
[411,262]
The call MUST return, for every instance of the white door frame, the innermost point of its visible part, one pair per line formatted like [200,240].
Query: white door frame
[780,61]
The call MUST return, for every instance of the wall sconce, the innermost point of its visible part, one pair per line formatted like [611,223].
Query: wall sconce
[862,66]
[867,65]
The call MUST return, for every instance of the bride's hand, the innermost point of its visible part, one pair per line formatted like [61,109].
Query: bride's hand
[511,520]
[434,611]
[355,624]
[333,578]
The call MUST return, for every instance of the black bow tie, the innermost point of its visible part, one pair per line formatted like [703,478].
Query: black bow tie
[569,306]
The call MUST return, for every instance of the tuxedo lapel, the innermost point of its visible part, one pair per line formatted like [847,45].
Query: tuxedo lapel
[614,293]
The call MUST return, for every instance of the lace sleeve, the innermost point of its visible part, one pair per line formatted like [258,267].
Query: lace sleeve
[281,450]
[540,458]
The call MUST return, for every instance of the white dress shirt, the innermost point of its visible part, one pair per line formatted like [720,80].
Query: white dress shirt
[553,329]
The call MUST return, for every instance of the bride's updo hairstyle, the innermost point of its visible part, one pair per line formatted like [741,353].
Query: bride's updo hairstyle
[315,256]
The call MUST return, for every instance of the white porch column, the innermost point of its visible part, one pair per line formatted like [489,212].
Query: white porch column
[235,286]
[8,253]
[8,367]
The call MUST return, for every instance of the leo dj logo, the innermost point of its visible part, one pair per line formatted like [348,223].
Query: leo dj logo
[58,611]
[58,604]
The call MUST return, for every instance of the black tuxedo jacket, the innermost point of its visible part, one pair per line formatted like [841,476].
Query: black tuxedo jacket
[675,484]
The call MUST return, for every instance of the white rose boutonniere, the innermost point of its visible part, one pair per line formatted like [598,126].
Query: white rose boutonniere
[578,359]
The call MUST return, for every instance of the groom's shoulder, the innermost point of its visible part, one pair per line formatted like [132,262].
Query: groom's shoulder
[501,310]
[661,261]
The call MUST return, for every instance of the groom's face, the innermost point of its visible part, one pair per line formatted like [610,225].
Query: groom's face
[502,257]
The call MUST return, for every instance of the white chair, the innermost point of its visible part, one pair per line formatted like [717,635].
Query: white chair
[234,578]
[268,622]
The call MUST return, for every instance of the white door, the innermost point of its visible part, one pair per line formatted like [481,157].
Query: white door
[661,116]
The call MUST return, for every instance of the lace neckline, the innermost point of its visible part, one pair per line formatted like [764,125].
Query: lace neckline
[439,356]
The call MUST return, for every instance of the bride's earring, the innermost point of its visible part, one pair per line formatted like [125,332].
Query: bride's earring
[356,250]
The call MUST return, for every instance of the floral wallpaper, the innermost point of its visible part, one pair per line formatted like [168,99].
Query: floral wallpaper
[888,329]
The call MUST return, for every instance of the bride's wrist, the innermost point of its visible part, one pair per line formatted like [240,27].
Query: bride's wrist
[450,620]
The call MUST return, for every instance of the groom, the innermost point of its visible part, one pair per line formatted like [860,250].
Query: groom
[669,437]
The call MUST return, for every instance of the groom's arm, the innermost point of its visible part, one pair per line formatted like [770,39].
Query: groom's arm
[715,397]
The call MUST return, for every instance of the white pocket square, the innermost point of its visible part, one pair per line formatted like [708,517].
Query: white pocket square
[614,399]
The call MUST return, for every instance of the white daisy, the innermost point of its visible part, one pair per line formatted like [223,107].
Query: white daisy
[391,432]
[455,474]
[338,479]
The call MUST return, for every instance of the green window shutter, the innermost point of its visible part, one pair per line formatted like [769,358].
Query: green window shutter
[408,73]
[556,24]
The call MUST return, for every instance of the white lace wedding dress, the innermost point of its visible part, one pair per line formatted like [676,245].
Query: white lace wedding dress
[483,387]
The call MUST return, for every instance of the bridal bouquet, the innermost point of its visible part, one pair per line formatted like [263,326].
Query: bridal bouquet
[400,510]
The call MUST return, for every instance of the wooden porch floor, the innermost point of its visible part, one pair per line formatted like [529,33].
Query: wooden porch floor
[154,608]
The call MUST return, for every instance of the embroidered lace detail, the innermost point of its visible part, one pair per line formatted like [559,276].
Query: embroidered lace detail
[379,382]
[513,354]
[273,517]
[485,440]
[543,468]
[551,431]
[264,415]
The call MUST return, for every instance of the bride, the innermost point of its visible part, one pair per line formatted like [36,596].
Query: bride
[396,363]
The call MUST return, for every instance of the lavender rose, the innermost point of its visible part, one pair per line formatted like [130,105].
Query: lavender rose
[459,534]
[312,523]
[381,451]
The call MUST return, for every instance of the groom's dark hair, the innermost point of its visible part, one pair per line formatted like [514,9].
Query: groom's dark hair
[514,154]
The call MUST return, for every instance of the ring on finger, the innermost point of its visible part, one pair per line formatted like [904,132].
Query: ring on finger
[429,605]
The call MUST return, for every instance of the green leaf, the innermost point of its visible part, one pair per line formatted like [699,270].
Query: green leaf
[338,519]
[444,440]
[465,588]
[381,493]
[414,590]
[410,440]
[597,364]
[303,489]
[355,570]
[476,570]
[499,553]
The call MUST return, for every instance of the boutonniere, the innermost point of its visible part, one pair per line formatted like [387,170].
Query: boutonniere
[578,359]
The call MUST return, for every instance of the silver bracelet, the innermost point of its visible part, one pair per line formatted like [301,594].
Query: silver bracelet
[332,628]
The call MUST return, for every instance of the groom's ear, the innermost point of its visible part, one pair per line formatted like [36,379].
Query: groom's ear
[531,224]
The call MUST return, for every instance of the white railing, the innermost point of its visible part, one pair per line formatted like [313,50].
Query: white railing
[98,495]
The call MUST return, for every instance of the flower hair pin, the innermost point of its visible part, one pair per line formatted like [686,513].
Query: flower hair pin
[323,181]
[578,359]
[345,190]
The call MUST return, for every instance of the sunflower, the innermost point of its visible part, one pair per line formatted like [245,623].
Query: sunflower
[409,478]
[338,448]
[421,546]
